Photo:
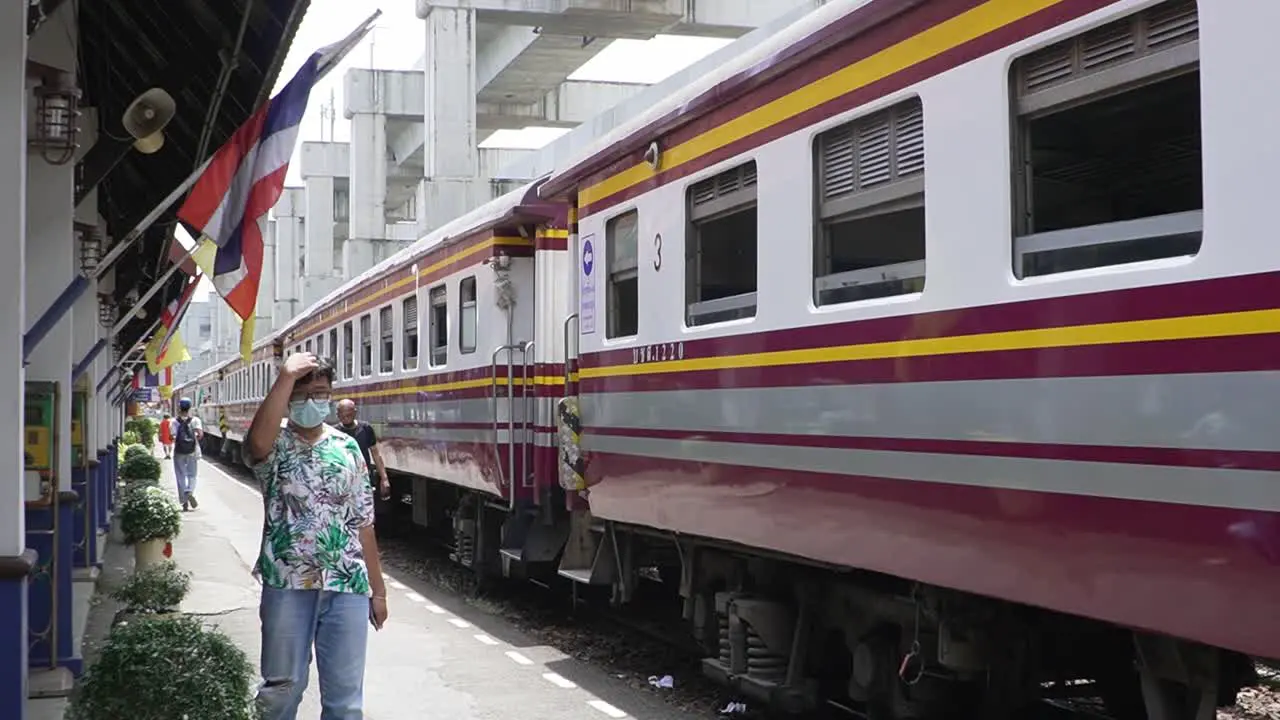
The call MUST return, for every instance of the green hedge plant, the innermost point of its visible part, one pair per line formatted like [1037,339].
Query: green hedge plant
[127,438]
[154,589]
[135,450]
[148,513]
[140,467]
[144,428]
[166,668]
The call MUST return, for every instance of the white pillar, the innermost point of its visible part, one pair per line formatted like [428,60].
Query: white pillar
[264,311]
[13,319]
[51,266]
[368,209]
[318,258]
[450,117]
[289,212]
[451,157]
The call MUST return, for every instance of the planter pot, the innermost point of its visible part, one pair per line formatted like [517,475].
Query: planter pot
[151,552]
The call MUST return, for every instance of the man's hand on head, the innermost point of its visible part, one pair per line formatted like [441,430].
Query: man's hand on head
[299,364]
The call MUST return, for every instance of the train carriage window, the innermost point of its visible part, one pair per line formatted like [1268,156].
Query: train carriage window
[333,346]
[623,302]
[410,312]
[438,326]
[467,315]
[310,347]
[320,345]
[366,346]
[721,247]
[1107,164]
[387,335]
[870,207]
[348,352]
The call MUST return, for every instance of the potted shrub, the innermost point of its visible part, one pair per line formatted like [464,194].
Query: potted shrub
[140,467]
[149,519]
[135,450]
[153,590]
[145,429]
[127,438]
[163,669]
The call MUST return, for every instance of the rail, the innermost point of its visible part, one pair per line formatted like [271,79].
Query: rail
[507,478]
[568,370]
[526,423]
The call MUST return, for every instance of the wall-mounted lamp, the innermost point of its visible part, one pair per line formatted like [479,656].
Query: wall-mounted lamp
[57,112]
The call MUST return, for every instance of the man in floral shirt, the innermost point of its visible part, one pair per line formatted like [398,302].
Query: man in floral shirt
[319,565]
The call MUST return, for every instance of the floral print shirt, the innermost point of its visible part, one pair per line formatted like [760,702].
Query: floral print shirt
[317,498]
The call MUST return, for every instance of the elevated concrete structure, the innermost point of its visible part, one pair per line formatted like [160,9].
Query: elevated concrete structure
[414,159]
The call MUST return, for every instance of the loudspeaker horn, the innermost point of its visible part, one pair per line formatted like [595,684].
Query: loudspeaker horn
[146,117]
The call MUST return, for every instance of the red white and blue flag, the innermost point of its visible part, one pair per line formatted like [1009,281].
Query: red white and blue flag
[229,202]
[143,379]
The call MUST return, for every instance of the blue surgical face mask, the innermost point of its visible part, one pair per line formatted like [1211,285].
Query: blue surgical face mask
[308,413]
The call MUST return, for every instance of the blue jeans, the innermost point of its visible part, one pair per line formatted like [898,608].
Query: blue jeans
[184,469]
[337,624]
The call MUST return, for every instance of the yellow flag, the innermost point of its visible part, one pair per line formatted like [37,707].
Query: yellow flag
[204,254]
[174,354]
[246,340]
[166,391]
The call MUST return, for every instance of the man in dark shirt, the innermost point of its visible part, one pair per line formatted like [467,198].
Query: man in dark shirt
[367,439]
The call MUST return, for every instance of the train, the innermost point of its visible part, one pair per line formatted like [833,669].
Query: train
[921,351]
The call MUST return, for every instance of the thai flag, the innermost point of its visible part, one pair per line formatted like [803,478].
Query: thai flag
[245,178]
[143,379]
[172,314]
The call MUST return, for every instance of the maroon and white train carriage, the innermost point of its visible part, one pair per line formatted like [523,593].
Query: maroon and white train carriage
[957,335]
[1046,456]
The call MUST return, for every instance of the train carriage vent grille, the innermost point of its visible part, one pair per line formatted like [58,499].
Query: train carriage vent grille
[871,152]
[725,184]
[1137,36]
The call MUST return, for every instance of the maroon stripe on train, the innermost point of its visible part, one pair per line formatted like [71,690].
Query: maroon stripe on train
[1241,353]
[1239,293]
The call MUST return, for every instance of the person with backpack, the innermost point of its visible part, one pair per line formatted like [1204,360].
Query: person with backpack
[187,433]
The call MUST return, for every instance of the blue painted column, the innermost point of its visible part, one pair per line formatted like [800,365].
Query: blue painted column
[49,533]
[101,476]
[14,572]
[84,521]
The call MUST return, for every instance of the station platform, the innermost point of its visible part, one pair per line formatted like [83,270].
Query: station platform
[435,657]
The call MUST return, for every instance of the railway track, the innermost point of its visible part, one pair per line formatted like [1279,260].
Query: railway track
[641,644]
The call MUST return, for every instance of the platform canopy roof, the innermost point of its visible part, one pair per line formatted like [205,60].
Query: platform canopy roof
[129,46]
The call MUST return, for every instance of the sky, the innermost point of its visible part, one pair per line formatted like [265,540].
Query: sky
[397,42]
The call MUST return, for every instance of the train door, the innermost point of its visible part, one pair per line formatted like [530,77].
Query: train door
[537,525]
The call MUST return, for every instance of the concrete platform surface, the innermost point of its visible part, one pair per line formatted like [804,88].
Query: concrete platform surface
[429,661]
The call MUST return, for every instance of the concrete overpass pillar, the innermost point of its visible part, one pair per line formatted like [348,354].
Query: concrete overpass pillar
[15,561]
[318,257]
[290,225]
[368,212]
[450,153]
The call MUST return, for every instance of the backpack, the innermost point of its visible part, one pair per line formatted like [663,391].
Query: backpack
[185,442]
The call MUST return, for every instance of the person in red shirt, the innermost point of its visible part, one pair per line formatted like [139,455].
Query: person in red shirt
[166,436]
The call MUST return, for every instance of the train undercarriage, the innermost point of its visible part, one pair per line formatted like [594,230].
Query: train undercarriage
[795,636]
